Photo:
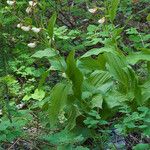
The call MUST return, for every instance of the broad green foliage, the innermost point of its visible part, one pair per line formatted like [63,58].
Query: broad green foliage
[138,56]
[51,24]
[134,121]
[11,130]
[58,100]
[74,74]
[97,51]
[45,53]
[141,146]
[113,9]
[64,137]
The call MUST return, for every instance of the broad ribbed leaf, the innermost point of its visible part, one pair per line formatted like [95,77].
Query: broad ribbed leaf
[134,58]
[141,146]
[148,17]
[118,68]
[73,114]
[88,64]
[146,90]
[58,63]
[97,51]
[64,137]
[97,78]
[115,99]
[43,78]
[126,76]
[81,148]
[98,82]
[51,24]
[113,9]
[58,101]
[135,89]
[74,75]
[49,52]
[97,101]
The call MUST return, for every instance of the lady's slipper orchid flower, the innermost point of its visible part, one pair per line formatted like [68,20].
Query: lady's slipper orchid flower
[32,45]
[19,25]
[36,30]
[25,28]
[32,3]
[92,10]
[11,3]
[102,20]
[29,10]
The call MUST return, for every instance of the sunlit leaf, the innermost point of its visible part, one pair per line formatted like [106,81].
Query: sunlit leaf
[39,94]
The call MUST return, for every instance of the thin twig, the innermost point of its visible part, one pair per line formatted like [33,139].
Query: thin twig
[13,144]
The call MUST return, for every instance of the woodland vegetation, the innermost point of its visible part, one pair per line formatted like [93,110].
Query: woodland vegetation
[75,75]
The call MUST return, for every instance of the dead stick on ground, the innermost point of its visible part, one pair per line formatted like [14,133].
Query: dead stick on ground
[13,144]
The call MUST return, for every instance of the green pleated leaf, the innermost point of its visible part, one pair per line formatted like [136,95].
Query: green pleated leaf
[75,75]
[81,148]
[43,78]
[89,63]
[118,67]
[97,101]
[48,52]
[148,17]
[115,99]
[136,57]
[58,101]
[113,9]
[51,24]
[64,137]
[146,90]
[98,77]
[97,51]
[142,146]
[73,114]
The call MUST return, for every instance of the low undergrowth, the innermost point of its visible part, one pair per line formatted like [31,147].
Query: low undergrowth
[75,75]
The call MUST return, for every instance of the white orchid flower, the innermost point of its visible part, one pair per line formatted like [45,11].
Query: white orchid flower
[29,10]
[32,45]
[36,30]
[1,112]
[32,3]
[64,75]
[10,3]
[25,28]
[20,106]
[102,20]
[92,10]
[19,25]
